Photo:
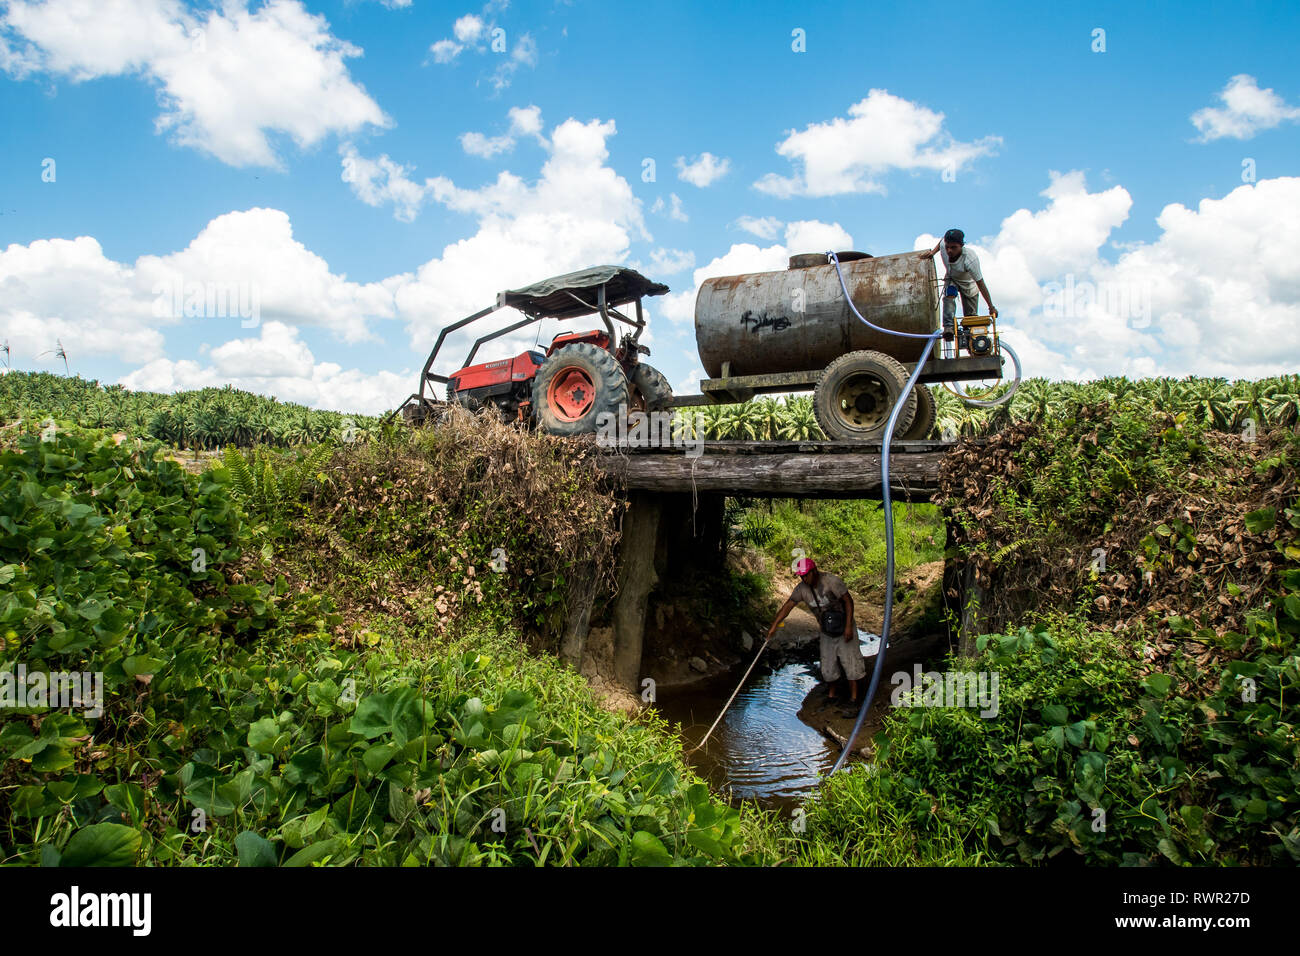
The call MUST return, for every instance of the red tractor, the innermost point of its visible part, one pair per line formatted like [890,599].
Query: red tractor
[580,376]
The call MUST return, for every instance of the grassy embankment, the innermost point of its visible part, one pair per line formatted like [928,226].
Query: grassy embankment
[283,684]
[1148,705]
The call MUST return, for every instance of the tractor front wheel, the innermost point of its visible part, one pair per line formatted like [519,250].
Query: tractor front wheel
[575,386]
[654,391]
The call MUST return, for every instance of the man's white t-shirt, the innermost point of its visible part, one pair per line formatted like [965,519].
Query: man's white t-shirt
[964,270]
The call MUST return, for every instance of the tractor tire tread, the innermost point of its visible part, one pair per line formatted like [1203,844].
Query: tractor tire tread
[891,371]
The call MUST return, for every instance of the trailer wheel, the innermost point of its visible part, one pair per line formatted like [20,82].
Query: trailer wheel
[856,393]
[575,386]
[650,385]
[926,413]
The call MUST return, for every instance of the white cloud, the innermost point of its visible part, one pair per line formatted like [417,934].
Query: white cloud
[468,28]
[690,385]
[765,228]
[227,79]
[883,132]
[1213,294]
[256,248]
[741,258]
[68,290]
[1246,110]
[243,267]
[672,209]
[524,121]
[277,362]
[578,213]
[444,51]
[670,261]
[379,181]
[814,236]
[524,53]
[702,171]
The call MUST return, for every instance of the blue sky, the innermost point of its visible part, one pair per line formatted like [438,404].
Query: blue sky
[312,159]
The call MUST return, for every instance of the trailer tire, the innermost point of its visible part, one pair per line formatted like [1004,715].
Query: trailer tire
[574,386]
[926,413]
[855,394]
[649,383]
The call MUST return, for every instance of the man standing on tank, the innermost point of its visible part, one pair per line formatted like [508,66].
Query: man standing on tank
[962,269]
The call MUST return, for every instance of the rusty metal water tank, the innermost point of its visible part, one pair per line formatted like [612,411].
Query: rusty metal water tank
[797,319]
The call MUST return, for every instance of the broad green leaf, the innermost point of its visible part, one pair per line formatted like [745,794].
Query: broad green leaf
[254,849]
[1158,684]
[1261,520]
[648,850]
[1055,714]
[103,844]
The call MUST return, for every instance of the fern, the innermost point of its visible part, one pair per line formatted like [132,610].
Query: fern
[1005,550]
[240,472]
[268,492]
[294,477]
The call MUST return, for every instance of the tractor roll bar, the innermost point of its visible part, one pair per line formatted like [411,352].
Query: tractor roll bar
[495,335]
[425,374]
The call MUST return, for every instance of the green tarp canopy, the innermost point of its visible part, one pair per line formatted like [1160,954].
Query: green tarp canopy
[553,298]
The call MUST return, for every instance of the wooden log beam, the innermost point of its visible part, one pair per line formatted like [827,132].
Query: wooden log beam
[913,477]
[636,578]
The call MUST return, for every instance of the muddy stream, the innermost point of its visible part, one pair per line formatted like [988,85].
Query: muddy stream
[770,747]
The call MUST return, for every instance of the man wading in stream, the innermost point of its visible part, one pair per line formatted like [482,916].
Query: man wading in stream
[827,596]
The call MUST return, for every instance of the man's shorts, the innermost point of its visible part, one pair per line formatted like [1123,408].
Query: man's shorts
[841,658]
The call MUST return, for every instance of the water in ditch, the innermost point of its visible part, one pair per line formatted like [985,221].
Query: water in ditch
[761,750]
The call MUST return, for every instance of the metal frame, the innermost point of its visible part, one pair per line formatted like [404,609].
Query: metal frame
[741,388]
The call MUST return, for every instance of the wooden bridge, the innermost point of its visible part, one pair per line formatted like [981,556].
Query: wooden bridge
[676,497]
[778,469]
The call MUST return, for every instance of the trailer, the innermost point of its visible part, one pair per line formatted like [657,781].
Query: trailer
[794,330]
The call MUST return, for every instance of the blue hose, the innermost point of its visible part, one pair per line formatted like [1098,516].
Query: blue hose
[879,668]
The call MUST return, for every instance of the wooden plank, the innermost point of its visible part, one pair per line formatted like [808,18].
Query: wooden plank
[913,477]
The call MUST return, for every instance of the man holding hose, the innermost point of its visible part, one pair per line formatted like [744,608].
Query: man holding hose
[827,596]
[962,269]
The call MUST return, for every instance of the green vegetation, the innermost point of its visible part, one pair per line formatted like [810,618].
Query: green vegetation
[1213,403]
[1147,711]
[1147,706]
[208,418]
[848,537]
[245,721]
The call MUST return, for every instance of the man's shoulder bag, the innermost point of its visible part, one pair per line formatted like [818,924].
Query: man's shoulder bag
[831,618]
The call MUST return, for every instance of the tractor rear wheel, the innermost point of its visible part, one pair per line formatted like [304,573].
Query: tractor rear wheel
[650,385]
[856,393]
[926,413]
[575,386]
